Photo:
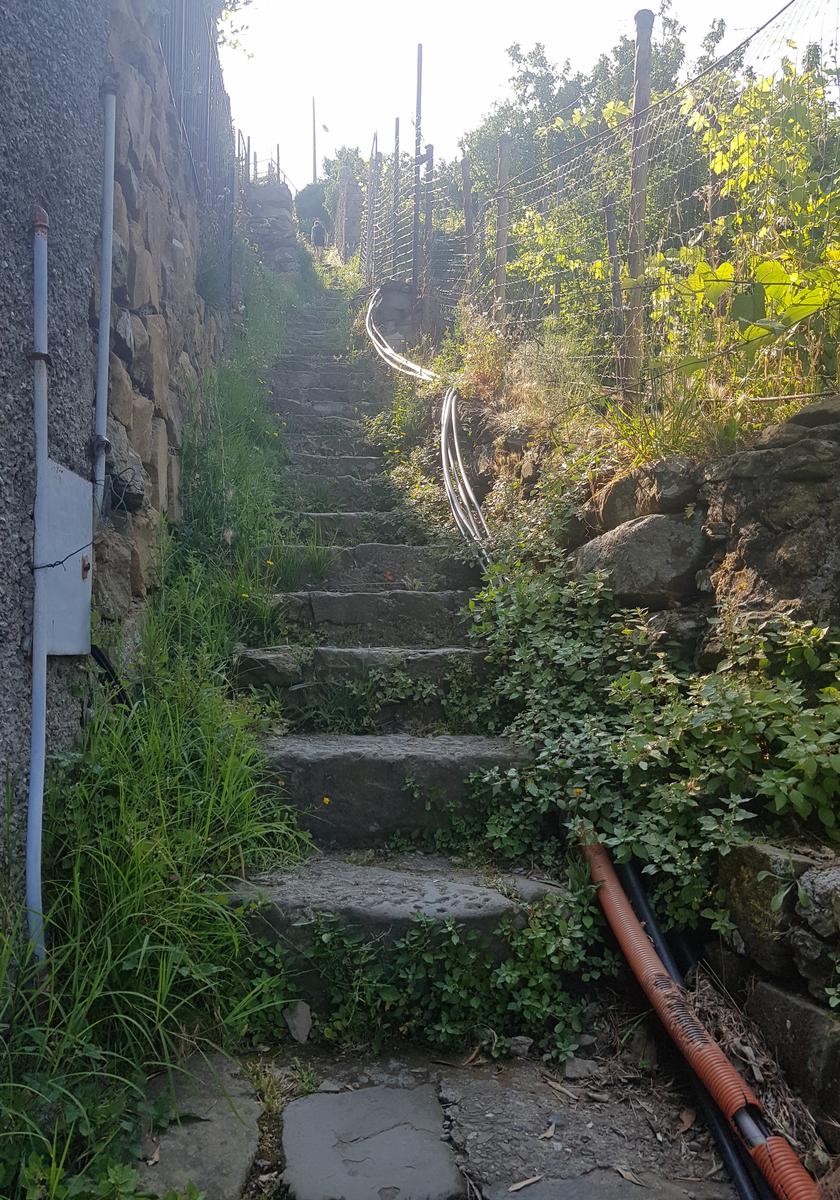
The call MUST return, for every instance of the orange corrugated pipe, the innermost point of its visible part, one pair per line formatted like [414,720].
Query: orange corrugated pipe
[772,1154]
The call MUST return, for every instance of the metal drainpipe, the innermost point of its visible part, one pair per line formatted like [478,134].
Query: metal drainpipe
[106,254]
[38,735]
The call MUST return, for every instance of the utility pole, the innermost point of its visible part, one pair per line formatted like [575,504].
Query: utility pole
[502,202]
[418,160]
[639,158]
[314,146]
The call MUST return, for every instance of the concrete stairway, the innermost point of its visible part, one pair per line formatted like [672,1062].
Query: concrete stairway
[378,605]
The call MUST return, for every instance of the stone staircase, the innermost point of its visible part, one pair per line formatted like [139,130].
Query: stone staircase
[378,605]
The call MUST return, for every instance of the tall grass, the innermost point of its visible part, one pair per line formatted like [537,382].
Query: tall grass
[146,825]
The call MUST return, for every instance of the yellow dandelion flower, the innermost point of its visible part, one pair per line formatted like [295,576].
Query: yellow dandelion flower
[326,800]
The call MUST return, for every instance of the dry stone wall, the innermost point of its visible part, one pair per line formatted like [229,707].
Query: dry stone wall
[163,333]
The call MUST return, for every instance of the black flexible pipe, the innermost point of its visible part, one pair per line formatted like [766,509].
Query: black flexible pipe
[109,671]
[749,1185]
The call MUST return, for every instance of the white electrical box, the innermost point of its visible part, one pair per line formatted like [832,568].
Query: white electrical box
[66,560]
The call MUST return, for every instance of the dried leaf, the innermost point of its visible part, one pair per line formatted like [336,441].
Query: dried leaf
[523,1183]
[687,1118]
[549,1133]
[470,1059]
[630,1176]
[154,1157]
[598,1097]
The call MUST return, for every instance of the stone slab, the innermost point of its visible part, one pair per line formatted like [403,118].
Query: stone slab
[352,791]
[382,566]
[215,1141]
[354,527]
[377,1143]
[312,671]
[393,618]
[382,899]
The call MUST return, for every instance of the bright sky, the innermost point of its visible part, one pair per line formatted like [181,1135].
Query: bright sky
[358,60]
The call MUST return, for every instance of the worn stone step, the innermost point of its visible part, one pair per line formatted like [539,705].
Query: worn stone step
[395,618]
[374,494]
[350,442]
[357,527]
[361,688]
[351,791]
[303,422]
[290,408]
[379,1143]
[359,466]
[381,899]
[384,566]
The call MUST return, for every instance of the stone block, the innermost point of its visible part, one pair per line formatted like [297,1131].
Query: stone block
[667,486]
[122,336]
[144,543]
[143,287]
[151,362]
[806,1041]
[125,472]
[822,887]
[140,432]
[120,392]
[121,225]
[749,900]
[111,573]
[616,502]
[823,412]
[134,104]
[158,465]
[129,188]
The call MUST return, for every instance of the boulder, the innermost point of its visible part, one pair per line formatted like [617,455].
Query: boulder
[650,561]
[616,503]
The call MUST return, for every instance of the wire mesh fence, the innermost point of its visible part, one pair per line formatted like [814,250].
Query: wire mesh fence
[189,47]
[691,243]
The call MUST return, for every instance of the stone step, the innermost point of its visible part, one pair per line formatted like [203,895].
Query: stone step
[380,900]
[395,618]
[359,466]
[345,492]
[290,408]
[329,684]
[360,791]
[325,444]
[358,527]
[302,422]
[384,566]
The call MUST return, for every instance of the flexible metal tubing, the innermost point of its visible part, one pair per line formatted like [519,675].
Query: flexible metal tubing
[771,1153]
[466,510]
[744,1174]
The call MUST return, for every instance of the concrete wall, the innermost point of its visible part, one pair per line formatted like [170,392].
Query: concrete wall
[52,55]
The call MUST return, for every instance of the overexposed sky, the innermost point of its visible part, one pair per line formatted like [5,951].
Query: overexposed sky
[358,60]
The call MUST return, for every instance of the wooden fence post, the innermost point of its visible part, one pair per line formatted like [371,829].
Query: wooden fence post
[469,225]
[418,159]
[639,157]
[248,160]
[368,267]
[502,208]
